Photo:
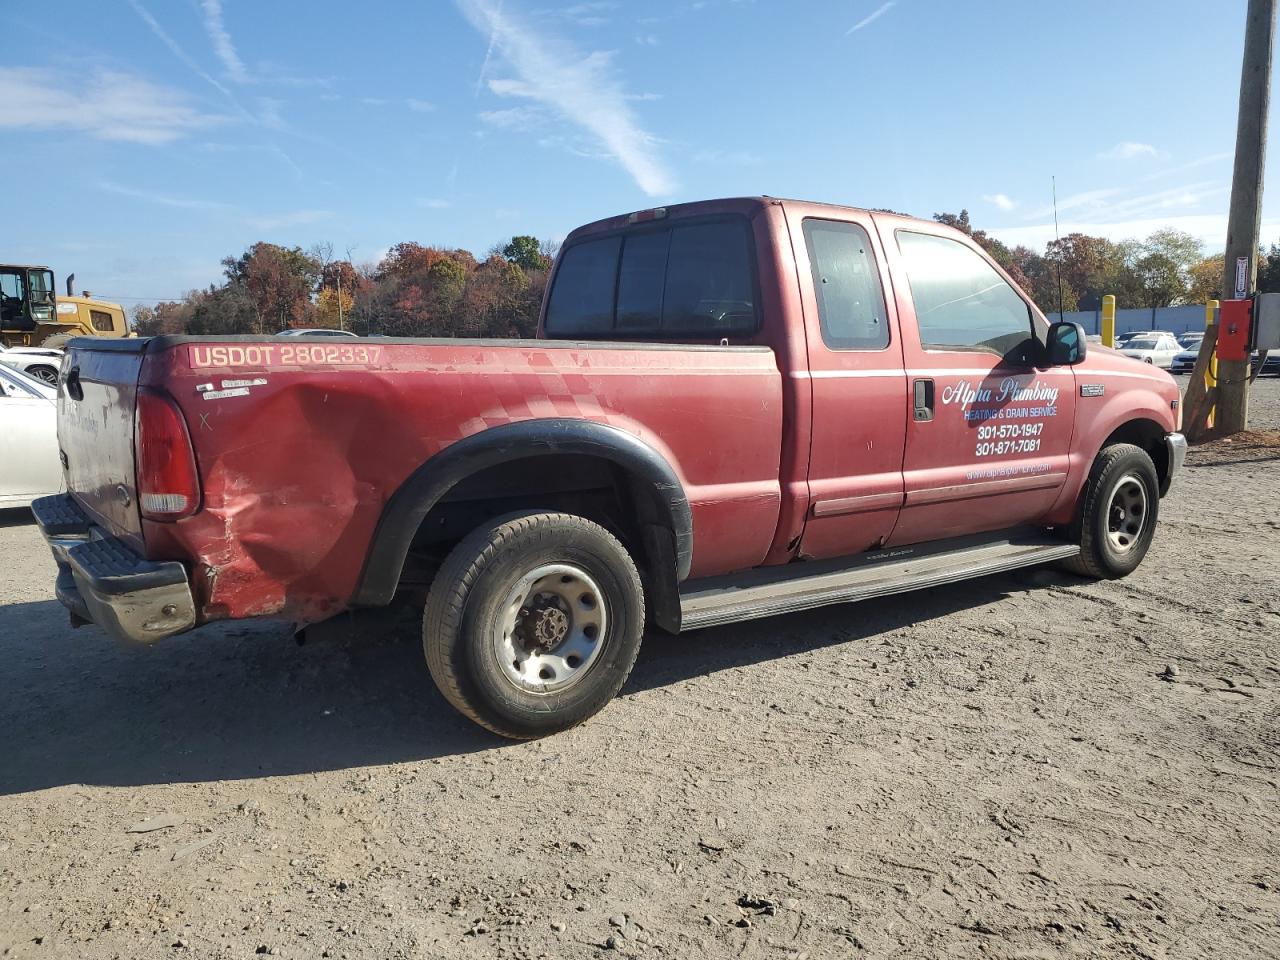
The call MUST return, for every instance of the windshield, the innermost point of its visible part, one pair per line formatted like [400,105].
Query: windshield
[1141,344]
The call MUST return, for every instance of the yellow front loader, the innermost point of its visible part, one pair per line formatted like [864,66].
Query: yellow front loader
[31,316]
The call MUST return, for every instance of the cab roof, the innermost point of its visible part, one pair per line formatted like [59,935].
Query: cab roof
[724,205]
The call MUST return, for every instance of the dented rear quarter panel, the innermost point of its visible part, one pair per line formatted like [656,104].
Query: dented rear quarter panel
[298,459]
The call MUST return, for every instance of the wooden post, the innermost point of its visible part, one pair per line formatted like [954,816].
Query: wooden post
[1245,213]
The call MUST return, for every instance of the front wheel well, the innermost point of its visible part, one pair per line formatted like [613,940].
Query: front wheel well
[1148,435]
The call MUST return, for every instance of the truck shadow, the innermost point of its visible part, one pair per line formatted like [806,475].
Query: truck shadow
[16,517]
[236,701]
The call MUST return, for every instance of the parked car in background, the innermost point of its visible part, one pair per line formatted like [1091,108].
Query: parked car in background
[39,362]
[29,463]
[1191,339]
[1122,338]
[1185,360]
[1156,349]
[316,332]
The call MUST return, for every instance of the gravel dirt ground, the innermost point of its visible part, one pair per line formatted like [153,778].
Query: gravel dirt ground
[996,769]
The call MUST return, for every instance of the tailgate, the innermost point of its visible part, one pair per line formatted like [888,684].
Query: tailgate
[95,430]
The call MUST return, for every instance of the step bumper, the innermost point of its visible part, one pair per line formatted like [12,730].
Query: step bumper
[102,580]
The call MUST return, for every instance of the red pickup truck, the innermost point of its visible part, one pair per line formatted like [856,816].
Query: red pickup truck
[734,409]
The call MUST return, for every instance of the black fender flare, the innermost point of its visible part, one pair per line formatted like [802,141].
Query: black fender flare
[427,485]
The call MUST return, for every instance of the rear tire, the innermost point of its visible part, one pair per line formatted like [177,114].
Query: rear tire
[56,341]
[533,623]
[1118,513]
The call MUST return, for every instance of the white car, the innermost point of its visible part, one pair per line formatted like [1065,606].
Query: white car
[39,362]
[30,466]
[1158,349]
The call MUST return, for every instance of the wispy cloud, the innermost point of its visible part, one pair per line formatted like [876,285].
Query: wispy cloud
[514,118]
[1190,165]
[175,48]
[1001,200]
[259,221]
[1128,150]
[107,105]
[582,89]
[433,203]
[872,17]
[590,14]
[162,199]
[1209,228]
[221,40]
[1086,199]
[419,106]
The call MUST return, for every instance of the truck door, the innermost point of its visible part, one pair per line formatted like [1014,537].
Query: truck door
[858,383]
[989,427]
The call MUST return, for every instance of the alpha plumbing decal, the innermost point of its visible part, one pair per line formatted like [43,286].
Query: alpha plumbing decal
[1015,403]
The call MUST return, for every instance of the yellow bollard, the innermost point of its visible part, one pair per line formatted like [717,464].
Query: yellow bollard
[1109,320]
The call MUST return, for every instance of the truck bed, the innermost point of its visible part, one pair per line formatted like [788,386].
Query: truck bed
[301,442]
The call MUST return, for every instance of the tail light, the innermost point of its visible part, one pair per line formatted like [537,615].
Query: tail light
[168,485]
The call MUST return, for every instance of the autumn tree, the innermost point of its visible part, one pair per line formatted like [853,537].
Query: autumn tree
[279,282]
[405,260]
[1205,276]
[1268,270]
[526,253]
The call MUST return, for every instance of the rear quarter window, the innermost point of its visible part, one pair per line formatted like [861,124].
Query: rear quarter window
[685,281]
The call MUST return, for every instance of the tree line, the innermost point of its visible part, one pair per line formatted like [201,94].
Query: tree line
[430,291]
[414,291]
[1167,269]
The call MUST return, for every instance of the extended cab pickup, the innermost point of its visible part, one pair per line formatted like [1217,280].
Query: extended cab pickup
[734,408]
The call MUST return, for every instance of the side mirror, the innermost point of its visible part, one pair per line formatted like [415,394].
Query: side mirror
[1066,345]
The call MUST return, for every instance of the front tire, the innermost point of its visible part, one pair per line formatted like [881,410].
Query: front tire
[1118,513]
[533,623]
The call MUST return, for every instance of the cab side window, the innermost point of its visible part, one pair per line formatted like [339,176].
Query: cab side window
[961,302]
[851,308]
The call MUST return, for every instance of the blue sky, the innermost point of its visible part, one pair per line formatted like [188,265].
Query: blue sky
[145,140]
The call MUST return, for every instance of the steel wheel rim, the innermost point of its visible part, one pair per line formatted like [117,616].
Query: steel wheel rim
[1127,513]
[551,630]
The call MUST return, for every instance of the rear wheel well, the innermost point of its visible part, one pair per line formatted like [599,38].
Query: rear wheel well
[595,488]
[1148,435]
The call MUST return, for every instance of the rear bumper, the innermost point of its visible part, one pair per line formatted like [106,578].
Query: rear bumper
[102,580]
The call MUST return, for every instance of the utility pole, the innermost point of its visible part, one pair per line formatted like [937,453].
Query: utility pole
[340,327]
[1240,275]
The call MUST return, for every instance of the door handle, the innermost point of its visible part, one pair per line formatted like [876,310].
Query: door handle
[923,408]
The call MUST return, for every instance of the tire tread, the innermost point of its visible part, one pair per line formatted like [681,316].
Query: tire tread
[451,588]
[1088,561]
